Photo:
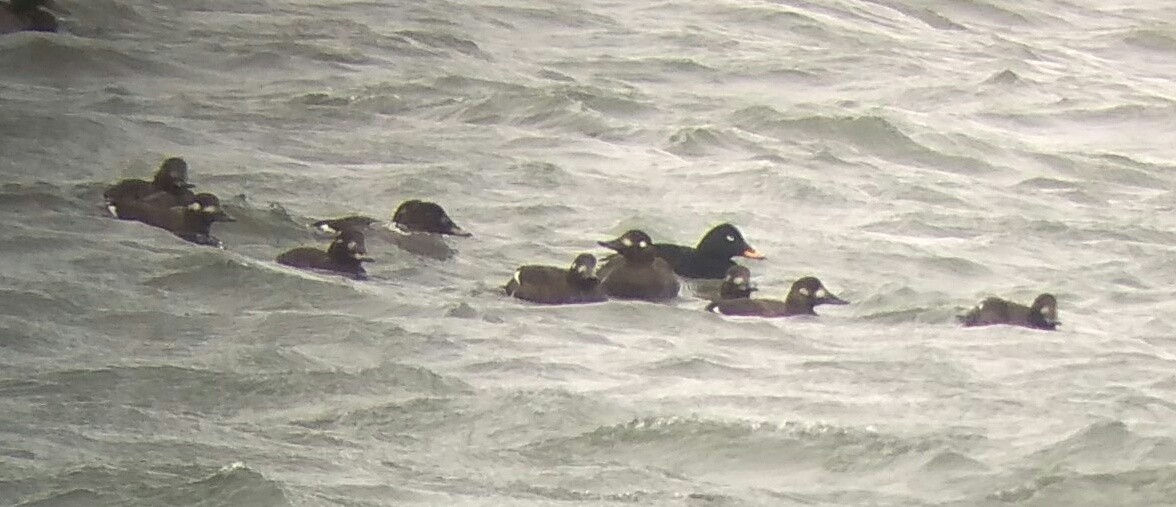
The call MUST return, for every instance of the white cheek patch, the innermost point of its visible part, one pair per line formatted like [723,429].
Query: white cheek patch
[626,242]
[326,228]
[194,206]
[730,238]
[518,277]
[210,209]
[113,210]
[715,309]
[352,246]
[803,291]
[738,280]
[822,293]
[582,269]
[642,244]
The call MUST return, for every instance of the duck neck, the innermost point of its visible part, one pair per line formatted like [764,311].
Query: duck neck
[797,304]
[339,253]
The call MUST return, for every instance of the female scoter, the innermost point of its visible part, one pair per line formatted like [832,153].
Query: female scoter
[638,273]
[806,293]
[192,222]
[346,255]
[558,286]
[1042,314]
[168,188]
[411,216]
[737,284]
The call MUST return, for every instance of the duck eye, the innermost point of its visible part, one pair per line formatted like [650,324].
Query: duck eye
[730,238]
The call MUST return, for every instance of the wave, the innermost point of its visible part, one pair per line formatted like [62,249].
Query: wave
[680,443]
[1151,39]
[692,367]
[234,484]
[226,393]
[38,57]
[1104,463]
[867,133]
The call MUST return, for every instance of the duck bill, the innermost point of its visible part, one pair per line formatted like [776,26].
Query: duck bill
[830,299]
[612,245]
[752,253]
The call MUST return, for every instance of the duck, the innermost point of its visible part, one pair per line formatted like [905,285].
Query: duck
[805,294]
[192,222]
[737,284]
[1041,314]
[345,255]
[638,273]
[711,258]
[558,286]
[168,188]
[415,215]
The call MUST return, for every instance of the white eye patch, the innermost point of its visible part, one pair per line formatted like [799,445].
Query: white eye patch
[803,291]
[194,206]
[731,238]
[518,277]
[626,242]
[739,280]
[352,245]
[210,209]
[582,269]
[822,293]
[643,244]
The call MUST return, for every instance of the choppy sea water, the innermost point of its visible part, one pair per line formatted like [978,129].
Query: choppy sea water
[916,156]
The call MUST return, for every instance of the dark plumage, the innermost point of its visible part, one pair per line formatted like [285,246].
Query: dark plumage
[638,273]
[712,257]
[1042,314]
[168,188]
[26,15]
[558,286]
[421,216]
[737,284]
[192,222]
[806,293]
[346,255]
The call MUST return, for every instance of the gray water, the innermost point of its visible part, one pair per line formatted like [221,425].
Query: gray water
[916,156]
